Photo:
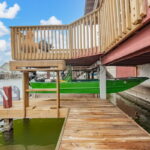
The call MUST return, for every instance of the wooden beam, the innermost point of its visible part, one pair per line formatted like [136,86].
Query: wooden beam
[135,44]
[41,90]
[52,65]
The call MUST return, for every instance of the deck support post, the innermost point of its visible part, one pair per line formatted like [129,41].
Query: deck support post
[8,125]
[25,93]
[102,79]
[58,92]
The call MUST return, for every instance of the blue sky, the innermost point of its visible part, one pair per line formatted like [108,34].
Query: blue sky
[34,12]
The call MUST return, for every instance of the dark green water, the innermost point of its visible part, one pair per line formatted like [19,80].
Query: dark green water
[32,134]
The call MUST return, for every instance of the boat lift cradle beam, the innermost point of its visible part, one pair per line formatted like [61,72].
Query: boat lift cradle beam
[30,66]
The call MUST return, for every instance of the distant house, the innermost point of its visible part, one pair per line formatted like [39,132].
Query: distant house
[5,72]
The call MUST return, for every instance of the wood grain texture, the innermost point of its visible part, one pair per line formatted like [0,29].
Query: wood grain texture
[98,125]
[25,93]
[43,65]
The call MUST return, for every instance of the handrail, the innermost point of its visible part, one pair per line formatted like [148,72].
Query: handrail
[95,33]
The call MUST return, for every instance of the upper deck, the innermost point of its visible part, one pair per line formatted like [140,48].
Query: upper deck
[94,34]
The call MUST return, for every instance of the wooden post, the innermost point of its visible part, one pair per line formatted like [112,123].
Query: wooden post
[58,93]
[92,75]
[48,74]
[25,94]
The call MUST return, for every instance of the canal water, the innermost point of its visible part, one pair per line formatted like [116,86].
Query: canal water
[32,134]
[140,114]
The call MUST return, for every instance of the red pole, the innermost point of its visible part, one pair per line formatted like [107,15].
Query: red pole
[7,103]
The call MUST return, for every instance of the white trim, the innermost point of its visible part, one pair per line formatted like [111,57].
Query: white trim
[2,94]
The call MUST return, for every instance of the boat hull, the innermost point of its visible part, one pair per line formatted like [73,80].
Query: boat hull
[90,87]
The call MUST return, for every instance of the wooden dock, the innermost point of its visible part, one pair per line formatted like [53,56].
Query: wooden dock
[90,124]
[99,125]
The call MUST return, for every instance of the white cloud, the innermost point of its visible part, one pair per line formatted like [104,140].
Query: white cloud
[3,45]
[3,29]
[8,13]
[51,21]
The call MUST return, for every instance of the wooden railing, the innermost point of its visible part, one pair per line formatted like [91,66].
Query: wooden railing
[40,42]
[118,19]
[95,33]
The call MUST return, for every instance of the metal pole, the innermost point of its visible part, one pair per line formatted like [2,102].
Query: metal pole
[102,79]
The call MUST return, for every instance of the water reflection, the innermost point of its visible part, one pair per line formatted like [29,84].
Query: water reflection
[8,137]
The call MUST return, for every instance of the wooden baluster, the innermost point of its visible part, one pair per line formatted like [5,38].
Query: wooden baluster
[109,25]
[72,40]
[77,30]
[18,43]
[118,19]
[59,39]
[143,8]
[48,43]
[44,43]
[83,36]
[106,27]
[99,32]
[75,41]
[95,43]
[114,15]
[63,42]
[88,37]
[135,12]
[40,43]
[122,6]
[34,44]
[55,41]
[37,43]
[17,37]
[12,43]
[112,23]
[53,51]
[91,32]
[127,14]
[70,43]
[15,43]
[51,46]
[30,43]
[102,29]
[67,42]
